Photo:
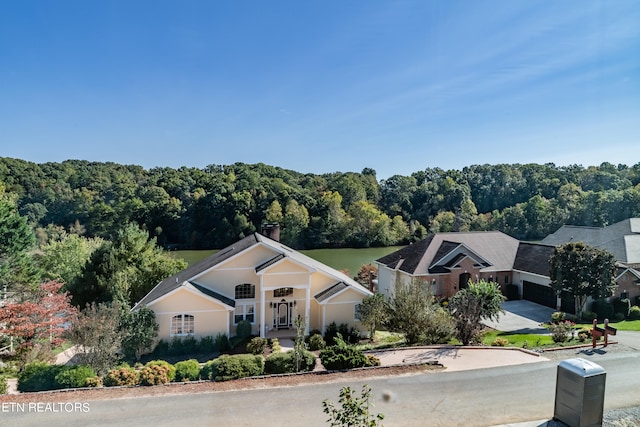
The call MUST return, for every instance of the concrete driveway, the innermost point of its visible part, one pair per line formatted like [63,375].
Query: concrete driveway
[522,316]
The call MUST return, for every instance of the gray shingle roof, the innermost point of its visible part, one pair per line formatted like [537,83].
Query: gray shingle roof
[534,258]
[214,294]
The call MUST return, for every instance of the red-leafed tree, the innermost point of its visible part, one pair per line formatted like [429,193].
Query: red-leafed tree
[39,321]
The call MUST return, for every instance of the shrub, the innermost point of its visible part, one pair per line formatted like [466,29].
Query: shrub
[571,317]
[177,349]
[209,370]
[588,316]
[189,345]
[257,345]
[93,382]
[560,332]
[622,305]
[331,333]
[603,309]
[557,317]
[275,345]
[154,375]
[284,363]
[221,342]
[232,367]
[634,312]
[316,342]
[74,377]
[124,376]
[39,376]
[340,357]
[171,370]
[187,370]
[618,317]
[207,345]
[3,384]
[500,342]
[162,349]
[243,330]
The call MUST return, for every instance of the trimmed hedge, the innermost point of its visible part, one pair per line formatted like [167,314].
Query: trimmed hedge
[154,374]
[231,367]
[75,376]
[187,370]
[123,376]
[340,357]
[39,376]
[171,370]
[257,345]
[284,363]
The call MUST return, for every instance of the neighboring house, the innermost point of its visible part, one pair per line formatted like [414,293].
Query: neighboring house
[256,279]
[448,261]
[622,239]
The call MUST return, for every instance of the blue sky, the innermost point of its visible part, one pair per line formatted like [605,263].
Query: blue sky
[321,86]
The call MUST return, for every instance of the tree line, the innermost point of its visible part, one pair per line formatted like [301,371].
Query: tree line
[212,207]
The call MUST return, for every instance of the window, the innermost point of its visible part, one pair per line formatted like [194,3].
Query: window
[245,291]
[282,292]
[356,312]
[244,312]
[182,324]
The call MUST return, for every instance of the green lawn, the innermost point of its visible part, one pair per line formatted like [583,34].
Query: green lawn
[624,325]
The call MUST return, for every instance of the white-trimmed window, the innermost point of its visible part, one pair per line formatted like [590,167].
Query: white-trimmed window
[183,324]
[245,312]
[282,292]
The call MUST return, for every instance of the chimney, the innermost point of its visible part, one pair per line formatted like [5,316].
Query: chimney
[271,230]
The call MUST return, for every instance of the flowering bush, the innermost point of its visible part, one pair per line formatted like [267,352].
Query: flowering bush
[560,331]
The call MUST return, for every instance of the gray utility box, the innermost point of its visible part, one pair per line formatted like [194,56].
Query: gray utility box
[579,393]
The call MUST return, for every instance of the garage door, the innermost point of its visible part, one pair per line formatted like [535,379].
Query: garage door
[540,294]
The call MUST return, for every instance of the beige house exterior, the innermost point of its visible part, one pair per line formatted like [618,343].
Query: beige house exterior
[259,280]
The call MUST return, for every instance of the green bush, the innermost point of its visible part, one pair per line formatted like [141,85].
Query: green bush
[222,343]
[207,345]
[39,376]
[316,342]
[500,342]
[560,332]
[232,367]
[209,370]
[243,330]
[171,370]
[603,309]
[557,317]
[340,357]
[257,345]
[75,376]
[634,312]
[123,376]
[622,305]
[618,317]
[588,316]
[275,346]
[163,348]
[187,370]
[571,317]
[331,333]
[284,363]
[3,384]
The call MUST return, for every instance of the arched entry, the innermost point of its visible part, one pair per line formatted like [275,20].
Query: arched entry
[464,280]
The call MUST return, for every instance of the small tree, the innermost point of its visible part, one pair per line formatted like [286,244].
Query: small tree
[353,410]
[97,334]
[39,321]
[299,345]
[373,312]
[140,331]
[366,275]
[414,311]
[583,271]
[480,301]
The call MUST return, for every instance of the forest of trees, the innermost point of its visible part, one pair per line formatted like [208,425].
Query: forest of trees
[209,208]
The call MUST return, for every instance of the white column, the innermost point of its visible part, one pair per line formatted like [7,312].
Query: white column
[262,310]
[323,315]
[307,307]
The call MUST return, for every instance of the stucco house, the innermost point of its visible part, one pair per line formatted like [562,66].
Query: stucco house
[448,261]
[622,239]
[256,279]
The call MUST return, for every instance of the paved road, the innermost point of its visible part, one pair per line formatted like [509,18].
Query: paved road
[482,397]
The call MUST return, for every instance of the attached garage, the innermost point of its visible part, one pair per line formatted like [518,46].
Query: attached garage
[540,294]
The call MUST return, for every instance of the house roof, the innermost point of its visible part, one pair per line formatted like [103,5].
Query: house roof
[622,239]
[533,258]
[495,251]
[187,275]
[214,294]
